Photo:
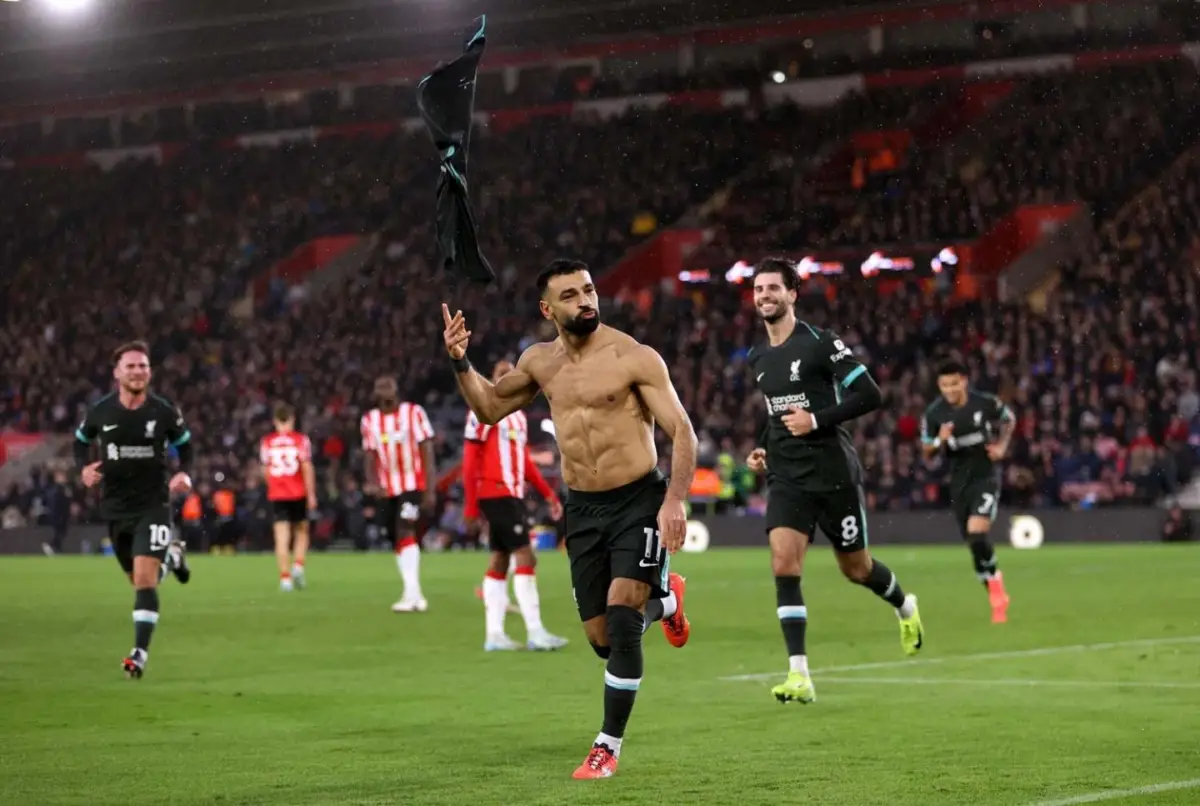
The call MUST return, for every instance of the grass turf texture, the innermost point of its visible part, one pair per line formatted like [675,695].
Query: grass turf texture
[326,697]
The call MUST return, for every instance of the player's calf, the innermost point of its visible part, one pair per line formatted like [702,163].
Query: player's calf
[622,678]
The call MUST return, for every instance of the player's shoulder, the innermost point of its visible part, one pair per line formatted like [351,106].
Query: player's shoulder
[160,403]
[935,408]
[981,397]
[104,403]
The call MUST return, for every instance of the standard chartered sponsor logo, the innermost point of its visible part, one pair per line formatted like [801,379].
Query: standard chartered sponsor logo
[130,451]
[781,403]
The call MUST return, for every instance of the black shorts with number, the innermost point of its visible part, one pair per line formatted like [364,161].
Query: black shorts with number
[293,511]
[507,529]
[145,535]
[614,534]
[978,498]
[841,514]
[399,514]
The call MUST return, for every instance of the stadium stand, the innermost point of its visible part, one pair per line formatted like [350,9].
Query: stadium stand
[197,229]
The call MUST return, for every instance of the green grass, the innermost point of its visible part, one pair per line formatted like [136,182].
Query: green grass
[326,697]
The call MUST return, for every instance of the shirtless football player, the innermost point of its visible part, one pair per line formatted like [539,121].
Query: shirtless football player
[623,517]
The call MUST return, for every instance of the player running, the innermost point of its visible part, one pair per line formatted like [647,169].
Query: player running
[975,429]
[812,384]
[286,457]
[398,471]
[496,464]
[132,429]
[623,518]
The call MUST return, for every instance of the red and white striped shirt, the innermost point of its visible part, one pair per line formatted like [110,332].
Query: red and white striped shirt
[395,438]
[497,462]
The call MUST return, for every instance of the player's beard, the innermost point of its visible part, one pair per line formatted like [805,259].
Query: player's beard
[582,326]
[771,318]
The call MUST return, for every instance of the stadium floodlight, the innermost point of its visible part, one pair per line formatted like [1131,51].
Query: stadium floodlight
[67,6]
[778,77]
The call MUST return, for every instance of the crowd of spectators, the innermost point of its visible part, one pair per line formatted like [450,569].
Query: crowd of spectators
[1104,382]
[1093,138]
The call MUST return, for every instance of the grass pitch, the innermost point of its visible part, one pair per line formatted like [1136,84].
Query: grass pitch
[326,697]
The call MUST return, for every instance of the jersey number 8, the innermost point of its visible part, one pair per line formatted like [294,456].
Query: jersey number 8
[849,530]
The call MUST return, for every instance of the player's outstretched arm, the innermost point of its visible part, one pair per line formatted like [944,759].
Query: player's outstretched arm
[654,385]
[490,402]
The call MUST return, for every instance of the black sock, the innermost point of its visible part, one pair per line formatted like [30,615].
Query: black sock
[883,583]
[623,675]
[654,612]
[602,651]
[793,615]
[145,616]
[983,553]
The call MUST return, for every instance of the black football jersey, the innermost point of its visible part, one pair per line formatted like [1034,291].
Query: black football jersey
[976,423]
[132,449]
[809,370]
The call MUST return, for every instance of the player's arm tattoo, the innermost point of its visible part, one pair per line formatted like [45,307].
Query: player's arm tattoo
[654,386]
[492,402]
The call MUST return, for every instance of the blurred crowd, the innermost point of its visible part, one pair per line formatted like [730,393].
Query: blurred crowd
[1103,380]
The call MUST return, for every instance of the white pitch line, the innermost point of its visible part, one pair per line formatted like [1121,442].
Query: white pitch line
[1115,794]
[1017,653]
[937,681]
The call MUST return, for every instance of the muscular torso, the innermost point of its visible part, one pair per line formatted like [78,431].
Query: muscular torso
[605,433]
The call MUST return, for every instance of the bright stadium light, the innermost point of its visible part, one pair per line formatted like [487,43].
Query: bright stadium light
[778,77]
[67,6]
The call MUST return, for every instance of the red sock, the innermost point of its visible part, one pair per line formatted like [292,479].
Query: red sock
[298,561]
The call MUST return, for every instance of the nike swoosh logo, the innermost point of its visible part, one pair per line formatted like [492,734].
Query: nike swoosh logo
[645,564]
[108,428]
[760,376]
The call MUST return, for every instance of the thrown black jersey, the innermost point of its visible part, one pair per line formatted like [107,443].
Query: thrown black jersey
[810,371]
[133,452]
[976,423]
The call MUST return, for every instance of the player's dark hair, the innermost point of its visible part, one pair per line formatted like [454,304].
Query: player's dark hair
[781,266]
[952,367]
[284,413]
[130,347]
[557,268]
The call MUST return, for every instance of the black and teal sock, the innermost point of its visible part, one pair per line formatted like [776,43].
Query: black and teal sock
[623,674]
[793,615]
[654,612]
[883,583]
[145,617]
[983,554]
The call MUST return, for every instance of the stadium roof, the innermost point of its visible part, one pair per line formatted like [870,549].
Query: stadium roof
[105,46]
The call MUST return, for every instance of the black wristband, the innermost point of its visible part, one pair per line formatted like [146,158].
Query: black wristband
[461,365]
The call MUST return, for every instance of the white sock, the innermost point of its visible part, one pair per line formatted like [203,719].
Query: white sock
[613,743]
[409,563]
[908,607]
[798,663]
[495,603]
[525,589]
[670,604]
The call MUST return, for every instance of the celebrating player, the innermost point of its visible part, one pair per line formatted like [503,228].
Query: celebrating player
[975,429]
[132,430]
[399,466]
[623,518]
[812,384]
[286,457]
[496,464]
